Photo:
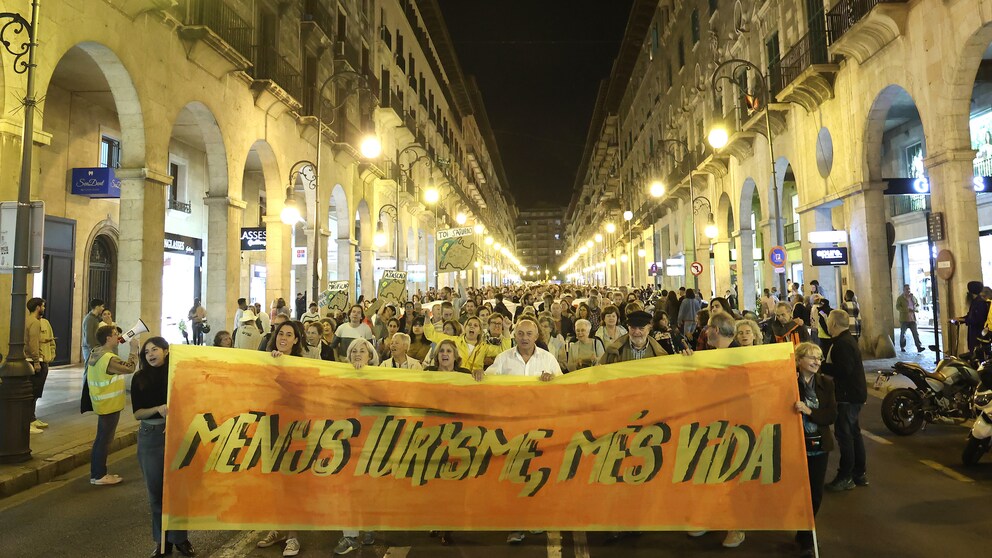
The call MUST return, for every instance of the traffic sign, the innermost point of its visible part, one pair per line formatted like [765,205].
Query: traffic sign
[777,256]
[696,268]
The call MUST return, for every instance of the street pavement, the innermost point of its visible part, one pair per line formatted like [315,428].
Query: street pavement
[921,502]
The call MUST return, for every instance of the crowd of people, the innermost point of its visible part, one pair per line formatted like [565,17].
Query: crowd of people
[538,330]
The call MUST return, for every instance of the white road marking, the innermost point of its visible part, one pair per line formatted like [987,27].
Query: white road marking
[397,552]
[581,545]
[947,471]
[875,438]
[554,544]
[238,546]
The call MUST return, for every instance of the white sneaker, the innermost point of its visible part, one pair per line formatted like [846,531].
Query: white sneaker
[734,539]
[107,480]
[35,430]
[695,534]
[39,424]
[292,547]
[271,538]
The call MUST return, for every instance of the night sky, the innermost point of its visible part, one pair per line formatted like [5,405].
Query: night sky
[538,64]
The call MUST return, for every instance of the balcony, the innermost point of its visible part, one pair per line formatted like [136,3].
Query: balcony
[275,77]
[902,205]
[791,233]
[216,37]
[805,75]
[860,28]
[176,205]
[315,17]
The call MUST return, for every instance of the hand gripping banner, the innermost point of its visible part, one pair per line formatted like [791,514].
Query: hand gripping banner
[710,441]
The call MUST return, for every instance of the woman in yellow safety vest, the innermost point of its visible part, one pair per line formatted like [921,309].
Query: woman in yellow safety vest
[104,373]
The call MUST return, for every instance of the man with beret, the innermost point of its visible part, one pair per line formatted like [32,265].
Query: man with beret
[636,344]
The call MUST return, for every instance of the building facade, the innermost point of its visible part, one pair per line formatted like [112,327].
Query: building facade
[213,117]
[540,235]
[862,117]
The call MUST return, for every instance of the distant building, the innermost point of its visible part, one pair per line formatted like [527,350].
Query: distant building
[541,238]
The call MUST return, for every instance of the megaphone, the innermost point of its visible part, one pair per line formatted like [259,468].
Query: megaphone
[136,330]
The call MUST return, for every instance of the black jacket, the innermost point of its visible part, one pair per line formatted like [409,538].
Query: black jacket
[845,367]
[826,412]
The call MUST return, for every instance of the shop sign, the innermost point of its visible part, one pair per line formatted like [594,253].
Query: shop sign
[179,244]
[829,256]
[97,182]
[252,238]
[36,238]
[300,255]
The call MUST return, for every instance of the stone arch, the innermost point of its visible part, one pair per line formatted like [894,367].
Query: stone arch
[196,125]
[107,232]
[99,62]
[339,228]
[891,100]
[725,216]
[958,91]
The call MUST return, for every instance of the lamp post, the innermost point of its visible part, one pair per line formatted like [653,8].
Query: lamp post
[628,216]
[369,148]
[719,138]
[16,395]
[657,186]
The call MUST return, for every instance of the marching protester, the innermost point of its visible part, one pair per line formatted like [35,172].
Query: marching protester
[784,328]
[287,339]
[348,332]
[360,353]
[844,366]
[105,383]
[149,401]
[689,307]
[662,332]
[398,347]
[584,351]
[223,339]
[748,333]
[610,329]
[818,408]
[420,345]
[248,335]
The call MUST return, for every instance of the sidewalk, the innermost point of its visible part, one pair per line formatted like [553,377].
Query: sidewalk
[66,443]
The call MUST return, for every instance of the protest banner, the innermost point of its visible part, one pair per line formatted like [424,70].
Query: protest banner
[392,286]
[335,297]
[456,249]
[710,441]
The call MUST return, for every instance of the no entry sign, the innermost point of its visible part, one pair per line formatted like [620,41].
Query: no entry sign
[696,268]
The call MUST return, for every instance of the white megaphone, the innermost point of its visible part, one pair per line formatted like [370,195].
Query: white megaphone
[136,330]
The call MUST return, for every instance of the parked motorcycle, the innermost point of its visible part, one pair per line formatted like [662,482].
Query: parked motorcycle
[944,394]
[980,438]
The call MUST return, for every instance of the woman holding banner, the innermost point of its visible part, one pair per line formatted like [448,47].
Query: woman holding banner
[287,339]
[818,407]
[361,353]
[149,394]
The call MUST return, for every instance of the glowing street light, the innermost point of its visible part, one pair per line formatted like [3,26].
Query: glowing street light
[641,253]
[628,215]
[611,228]
[370,147]
[479,229]
[380,235]
[461,218]
[598,237]
[489,241]
[657,189]
[718,137]
[431,195]
[290,213]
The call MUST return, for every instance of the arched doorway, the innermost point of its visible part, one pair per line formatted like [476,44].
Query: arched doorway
[103,270]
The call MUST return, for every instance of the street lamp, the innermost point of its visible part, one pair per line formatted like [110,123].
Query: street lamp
[431,195]
[598,238]
[657,189]
[719,139]
[290,214]
[15,388]
[611,228]
[461,219]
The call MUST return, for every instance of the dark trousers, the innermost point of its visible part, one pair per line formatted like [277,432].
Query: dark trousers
[106,427]
[911,326]
[847,431]
[151,459]
[38,380]
[197,333]
[817,466]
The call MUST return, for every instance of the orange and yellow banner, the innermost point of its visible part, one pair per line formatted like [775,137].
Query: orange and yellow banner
[710,441]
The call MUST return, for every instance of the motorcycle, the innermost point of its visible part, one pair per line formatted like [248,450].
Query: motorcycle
[980,438]
[944,394]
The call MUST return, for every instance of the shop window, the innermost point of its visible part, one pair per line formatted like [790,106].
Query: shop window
[110,152]
[176,191]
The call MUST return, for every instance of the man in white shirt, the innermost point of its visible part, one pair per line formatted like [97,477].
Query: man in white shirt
[398,346]
[526,358]
[242,306]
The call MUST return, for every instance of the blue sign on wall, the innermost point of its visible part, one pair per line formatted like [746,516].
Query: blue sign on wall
[97,182]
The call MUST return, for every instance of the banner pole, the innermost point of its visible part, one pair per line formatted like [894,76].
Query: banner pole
[816,546]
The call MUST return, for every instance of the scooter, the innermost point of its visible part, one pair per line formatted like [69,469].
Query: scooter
[980,438]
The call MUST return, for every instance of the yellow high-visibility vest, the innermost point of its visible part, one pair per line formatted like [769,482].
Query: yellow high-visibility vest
[106,390]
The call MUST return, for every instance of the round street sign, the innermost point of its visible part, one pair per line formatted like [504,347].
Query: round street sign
[777,257]
[945,265]
[696,268]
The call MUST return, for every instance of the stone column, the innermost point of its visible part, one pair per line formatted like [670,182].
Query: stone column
[745,270]
[869,267]
[368,272]
[721,265]
[224,217]
[278,258]
[142,247]
[346,261]
[768,277]
[952,193]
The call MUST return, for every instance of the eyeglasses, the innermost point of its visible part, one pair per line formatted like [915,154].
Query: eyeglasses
[817,359]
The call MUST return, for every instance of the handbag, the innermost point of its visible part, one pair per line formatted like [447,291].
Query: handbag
[814,443]
[85,403]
